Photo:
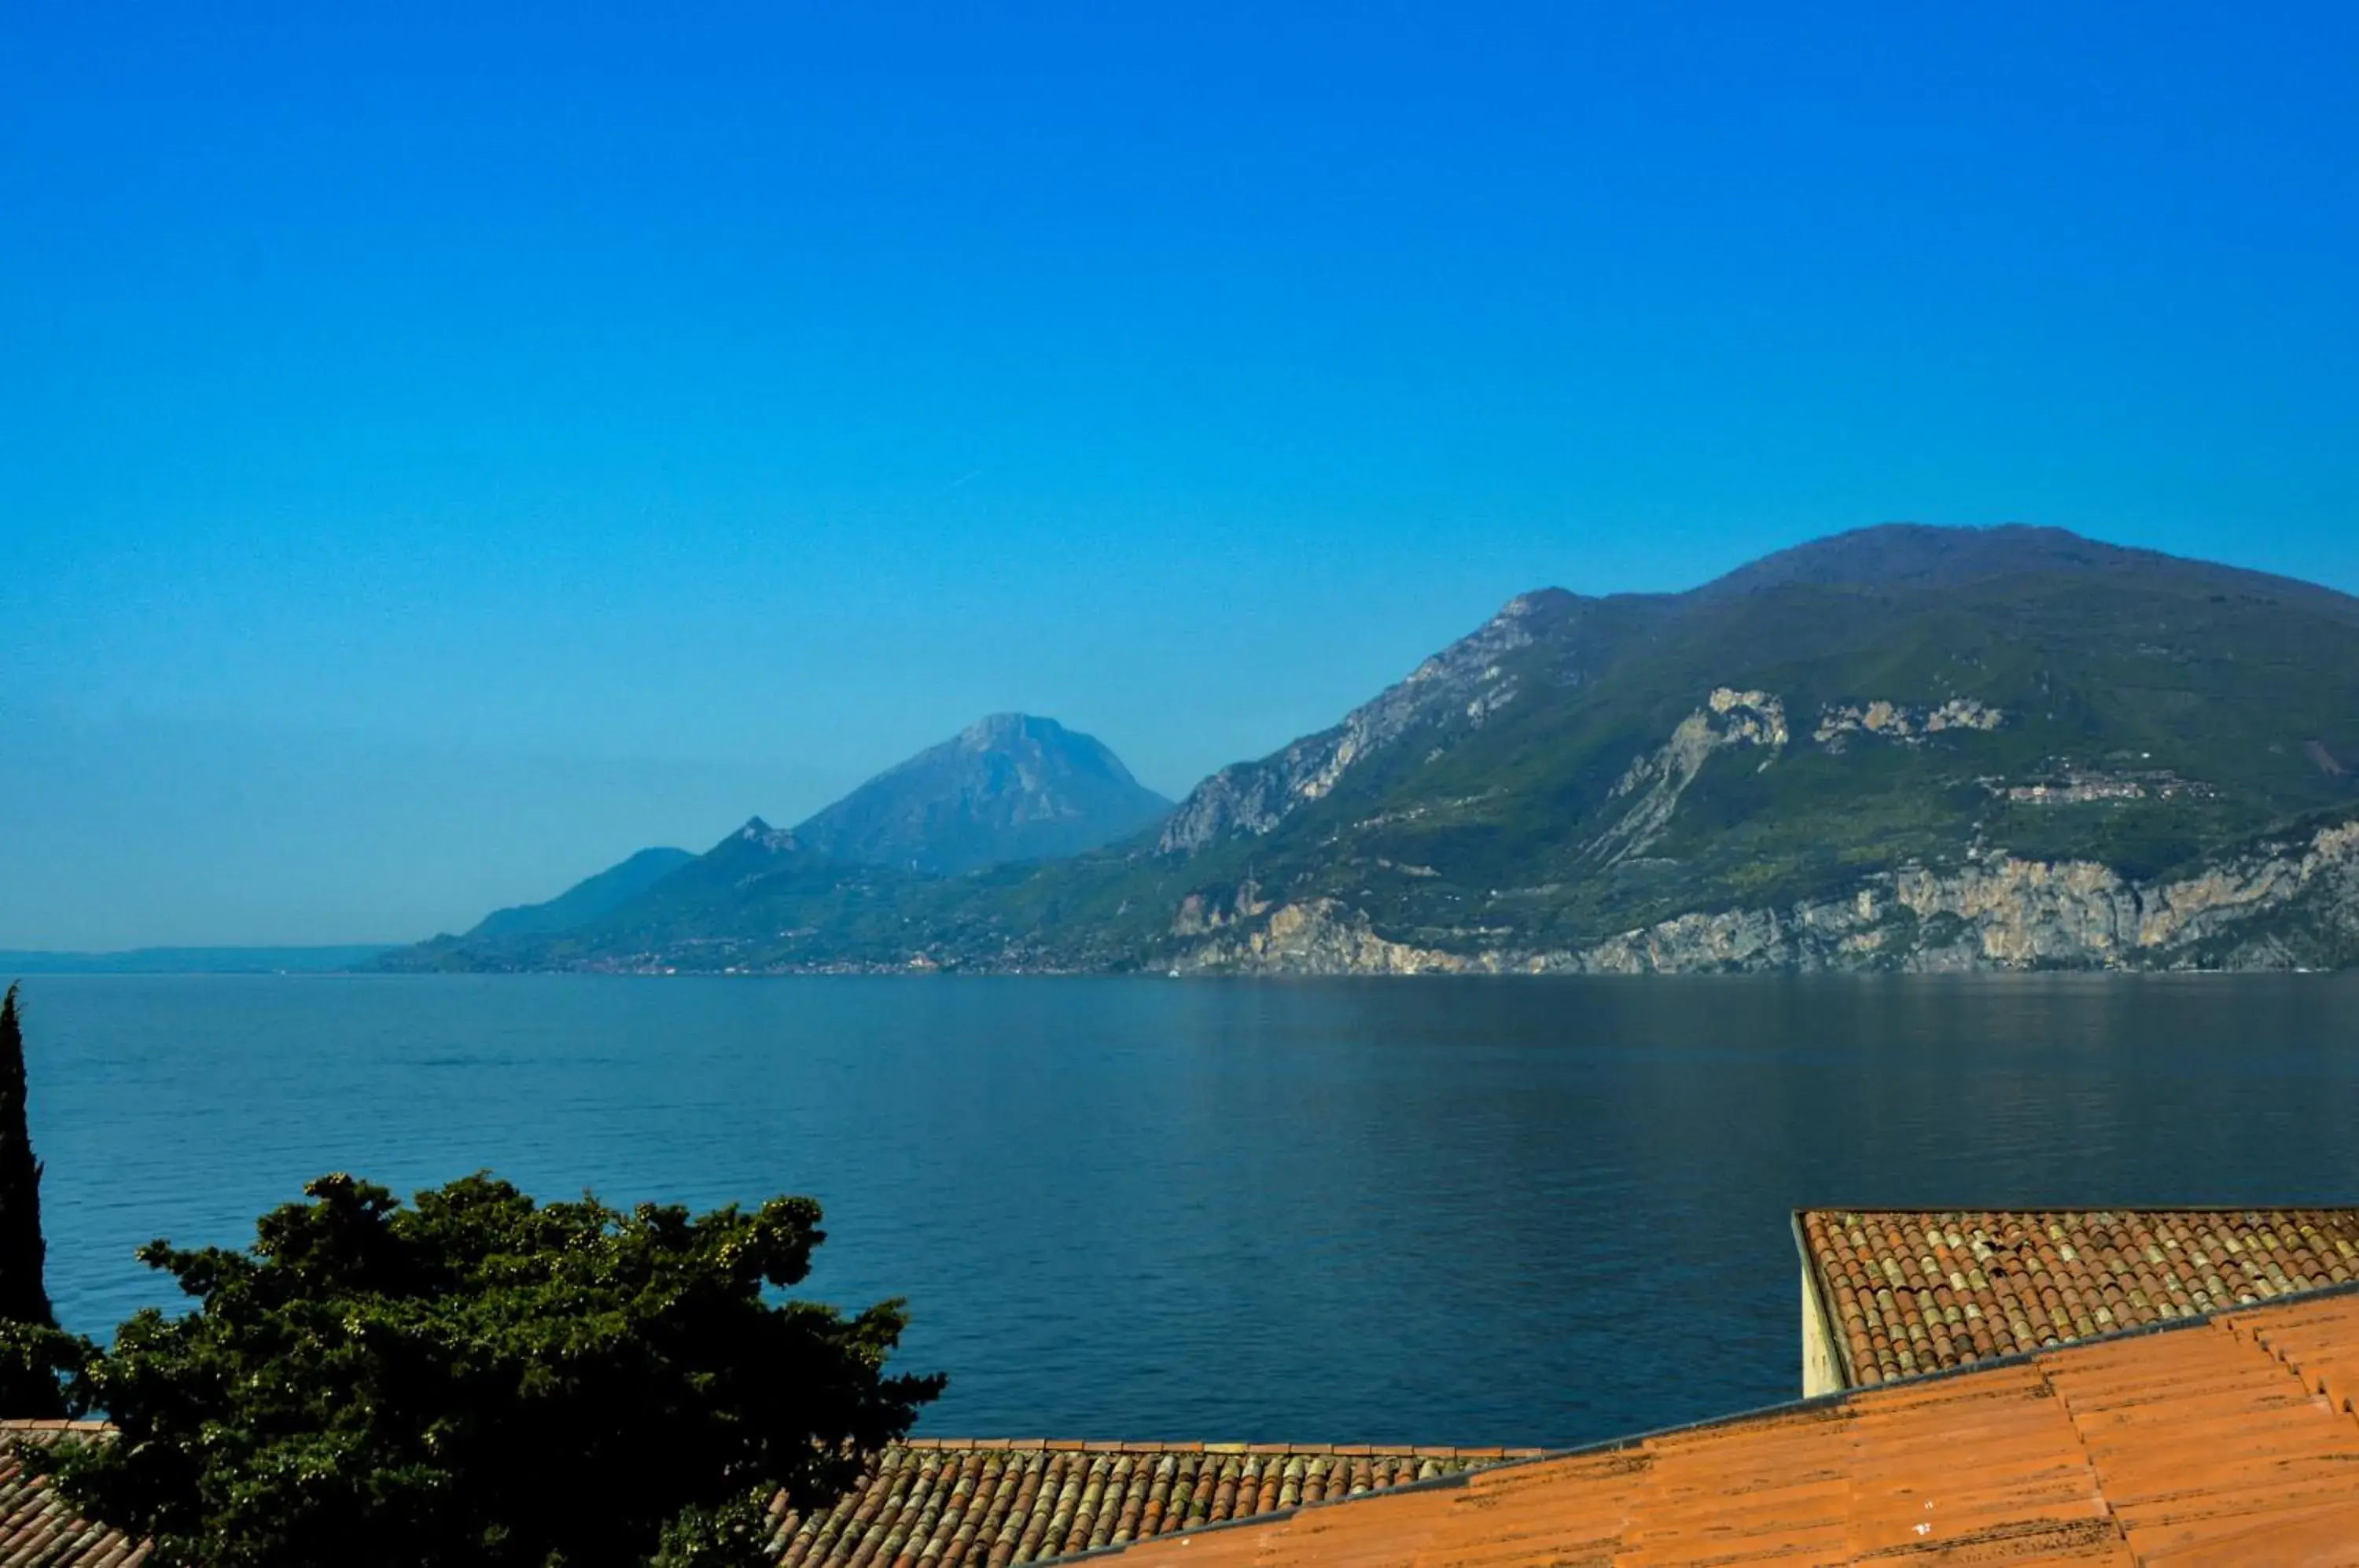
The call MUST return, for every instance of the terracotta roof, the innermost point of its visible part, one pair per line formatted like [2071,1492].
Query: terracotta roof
[2222,1441]
[1910,1291]
[989,1505]
[944,1504]
[36,1530]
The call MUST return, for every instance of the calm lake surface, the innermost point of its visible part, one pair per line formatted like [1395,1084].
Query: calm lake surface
[1475,1212]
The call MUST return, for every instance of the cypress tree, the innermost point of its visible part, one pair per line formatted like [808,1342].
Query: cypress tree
[23,1297]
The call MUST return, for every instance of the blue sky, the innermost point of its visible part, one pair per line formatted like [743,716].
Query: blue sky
[442,451]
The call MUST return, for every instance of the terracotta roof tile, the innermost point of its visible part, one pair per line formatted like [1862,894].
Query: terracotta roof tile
[928,1503]
[1912,1292]
[36,1530]
[937,1503]
[2217,1440]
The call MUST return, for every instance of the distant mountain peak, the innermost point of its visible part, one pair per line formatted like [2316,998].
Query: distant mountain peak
[1008,787]
[1926,557]
[757,832]
[1005,729]
[1923,554]
[1538,602]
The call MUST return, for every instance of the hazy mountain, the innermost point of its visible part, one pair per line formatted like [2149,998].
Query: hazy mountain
[1901,747]
[697,915]
[586,899]
[1009,787]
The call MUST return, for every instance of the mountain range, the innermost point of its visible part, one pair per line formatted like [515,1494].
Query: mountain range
[1903,747]
[1010,787]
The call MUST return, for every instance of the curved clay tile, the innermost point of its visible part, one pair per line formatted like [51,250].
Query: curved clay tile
[1909,1293]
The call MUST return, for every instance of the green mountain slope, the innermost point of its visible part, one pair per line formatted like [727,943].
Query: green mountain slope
[757,898]
[2190,718]
[1901,698]
[1905,746]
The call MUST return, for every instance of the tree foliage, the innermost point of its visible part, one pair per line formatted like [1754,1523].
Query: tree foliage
[475,1378]
[733,1535]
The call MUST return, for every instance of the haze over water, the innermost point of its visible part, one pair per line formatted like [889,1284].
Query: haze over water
[1504,1211]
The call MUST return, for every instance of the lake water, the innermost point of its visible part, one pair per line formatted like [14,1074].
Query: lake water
[1474,1212]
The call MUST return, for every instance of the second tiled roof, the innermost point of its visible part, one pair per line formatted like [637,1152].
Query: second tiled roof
[926,1502]
[1909,1292]
[946,1504]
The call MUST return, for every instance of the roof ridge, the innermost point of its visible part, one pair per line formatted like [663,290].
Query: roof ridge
[34,1424]
[2344,1206]
[1101,1445]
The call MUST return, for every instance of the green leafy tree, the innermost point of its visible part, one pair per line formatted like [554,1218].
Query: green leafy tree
[477,1379]
[734,1535]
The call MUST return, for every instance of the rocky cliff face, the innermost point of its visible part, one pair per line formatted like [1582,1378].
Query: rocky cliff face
[1457,689]
[2288,905]
[1658,779]
[1322,937]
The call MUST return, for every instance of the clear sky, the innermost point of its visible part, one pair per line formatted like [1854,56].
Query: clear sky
[443,449]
